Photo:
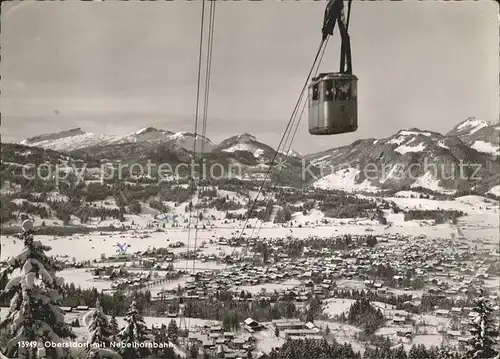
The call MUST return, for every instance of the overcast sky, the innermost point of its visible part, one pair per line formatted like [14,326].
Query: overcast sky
[116,67]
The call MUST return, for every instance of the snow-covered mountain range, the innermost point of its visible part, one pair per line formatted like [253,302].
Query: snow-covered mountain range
[479,135]
[76,139]
[412,158]
[472,144]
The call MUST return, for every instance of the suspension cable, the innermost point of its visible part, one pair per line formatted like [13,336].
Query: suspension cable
[323,48]
[204,124]
[290,122]
[300,118]
[287,150]
[200,55]
[205,110]
[209,67]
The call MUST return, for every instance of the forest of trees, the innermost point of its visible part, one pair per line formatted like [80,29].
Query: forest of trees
[362,314]
[439,216]
[294,247]
[323,350]
[347,206]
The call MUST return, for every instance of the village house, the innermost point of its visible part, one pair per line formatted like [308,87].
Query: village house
[442,312]
[398,320]
[216,329]
[405,332]
[298,333]
[82,308]
[286,324]
[453,334]
[306,337]
[251,325]
[463,339]
[239,343]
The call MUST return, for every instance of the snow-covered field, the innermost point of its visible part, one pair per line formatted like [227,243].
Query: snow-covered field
[82,277]
[343,333]
[92,246]
[344,180]
[335,306]
[481,222]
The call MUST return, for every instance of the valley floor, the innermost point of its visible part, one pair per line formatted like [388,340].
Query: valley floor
[479,227]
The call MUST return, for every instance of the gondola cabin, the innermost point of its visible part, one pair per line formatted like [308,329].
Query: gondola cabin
[333,104]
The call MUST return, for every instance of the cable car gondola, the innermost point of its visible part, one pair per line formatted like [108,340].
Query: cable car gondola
[332,98]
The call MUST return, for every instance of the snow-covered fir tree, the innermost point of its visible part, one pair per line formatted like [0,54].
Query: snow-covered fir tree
[100,334]
[114,327]
[134,335]
[35,292]
[173,331]
[483,330]
[166,350]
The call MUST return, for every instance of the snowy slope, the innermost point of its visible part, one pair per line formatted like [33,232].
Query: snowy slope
[428,180]
[145,134]
[495,191]
[345,180]
[467,127]
[486,147]
[479,135]
[293,153]
[247,143]
[75,139]
[254,150]
[67,140]
[410,158]
[185,140]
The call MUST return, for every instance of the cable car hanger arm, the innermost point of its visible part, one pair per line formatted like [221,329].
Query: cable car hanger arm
[334,12]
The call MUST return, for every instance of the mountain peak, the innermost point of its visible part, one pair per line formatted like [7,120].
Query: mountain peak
[148,130]
[467,127]
[244,137]
[186,134]
[76,131]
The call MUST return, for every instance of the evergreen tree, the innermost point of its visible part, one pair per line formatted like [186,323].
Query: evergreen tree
[173,331]
[114,327]
[34,314]
[100,334]
[445,352]
[418,352]
[399,353]
[483,331]
[194,351]
[134,334]
[273,354]
[167,352]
